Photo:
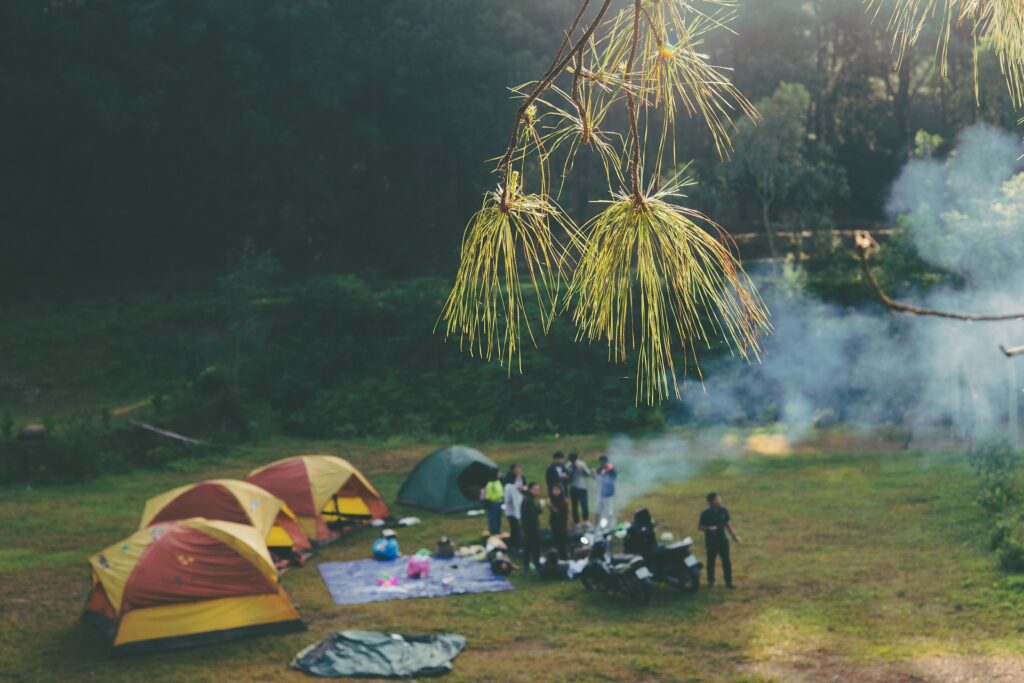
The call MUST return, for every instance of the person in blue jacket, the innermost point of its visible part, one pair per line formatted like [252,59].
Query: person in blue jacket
[606,475]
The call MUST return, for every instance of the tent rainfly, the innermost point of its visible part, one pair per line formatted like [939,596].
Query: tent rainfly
[231,500]
[188,582]
[324,491]
[448,480]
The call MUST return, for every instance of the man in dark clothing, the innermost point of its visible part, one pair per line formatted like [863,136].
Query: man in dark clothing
[715,522]
[559,507]
[556,474]
[529,518]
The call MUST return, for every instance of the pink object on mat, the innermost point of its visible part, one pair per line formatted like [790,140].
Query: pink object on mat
[419,567]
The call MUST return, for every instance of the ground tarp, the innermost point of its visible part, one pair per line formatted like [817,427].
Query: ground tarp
[366,654]
[354,583]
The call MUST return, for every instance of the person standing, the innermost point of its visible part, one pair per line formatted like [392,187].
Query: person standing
[606,476]
[513,503]
[556,474]
[529,517]
[579,473]
[559,520]
[494,500]
[715,522]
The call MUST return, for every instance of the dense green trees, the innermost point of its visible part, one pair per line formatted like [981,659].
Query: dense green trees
[790,174]
[149,140]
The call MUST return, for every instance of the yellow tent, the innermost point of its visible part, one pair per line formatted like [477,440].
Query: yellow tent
[319,488]
[236,501]
[187,582]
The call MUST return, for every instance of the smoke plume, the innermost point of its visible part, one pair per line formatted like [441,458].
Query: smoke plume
[826,363]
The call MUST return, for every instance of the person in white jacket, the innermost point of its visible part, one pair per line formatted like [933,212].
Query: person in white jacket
[513,505]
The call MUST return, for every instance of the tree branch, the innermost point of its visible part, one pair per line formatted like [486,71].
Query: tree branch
[1012,351]
[557,66]
[634,163]
[865,242]
[578,101]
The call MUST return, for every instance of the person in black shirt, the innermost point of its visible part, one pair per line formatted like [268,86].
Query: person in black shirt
[529,518]
[556,473]
[640,538]
[715,522]
[559,509]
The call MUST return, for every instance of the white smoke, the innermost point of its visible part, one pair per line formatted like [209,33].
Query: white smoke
[826,363]
[646,464]
[867,366]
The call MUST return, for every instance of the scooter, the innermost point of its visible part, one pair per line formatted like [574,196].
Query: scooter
[626,575]
[676,565]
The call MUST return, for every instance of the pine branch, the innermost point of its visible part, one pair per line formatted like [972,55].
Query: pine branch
[556,68]
[634,164]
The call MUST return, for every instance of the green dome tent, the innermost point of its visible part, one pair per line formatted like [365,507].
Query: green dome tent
[448,480]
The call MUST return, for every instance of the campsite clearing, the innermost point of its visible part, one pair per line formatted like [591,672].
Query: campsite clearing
[868,566]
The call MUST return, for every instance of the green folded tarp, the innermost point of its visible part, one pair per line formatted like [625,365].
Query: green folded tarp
[367,654]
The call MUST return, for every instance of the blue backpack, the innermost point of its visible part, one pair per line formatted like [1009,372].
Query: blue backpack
[385,549]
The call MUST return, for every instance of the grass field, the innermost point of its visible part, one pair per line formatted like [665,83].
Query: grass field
[855,567]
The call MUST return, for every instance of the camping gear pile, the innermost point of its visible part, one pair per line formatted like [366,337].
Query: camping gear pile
[204,564]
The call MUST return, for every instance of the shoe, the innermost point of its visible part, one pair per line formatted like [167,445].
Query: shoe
[711,584]
[730,586]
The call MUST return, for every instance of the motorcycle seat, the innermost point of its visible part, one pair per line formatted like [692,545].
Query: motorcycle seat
[622,558]
[680,545]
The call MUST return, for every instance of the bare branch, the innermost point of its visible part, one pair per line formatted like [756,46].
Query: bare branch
[865,242]
[556,68]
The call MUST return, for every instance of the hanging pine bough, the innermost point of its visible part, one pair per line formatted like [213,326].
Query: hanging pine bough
[686,280]
[997,25]
[672,67]
[486,304]
[651,277]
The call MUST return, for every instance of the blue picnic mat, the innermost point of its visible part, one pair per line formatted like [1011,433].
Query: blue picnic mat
[353,583]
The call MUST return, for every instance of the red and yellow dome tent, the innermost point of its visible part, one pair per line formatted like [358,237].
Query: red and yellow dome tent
[324,491]
[231,500]
[188,582]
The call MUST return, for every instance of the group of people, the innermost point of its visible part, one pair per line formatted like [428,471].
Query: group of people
[511,496]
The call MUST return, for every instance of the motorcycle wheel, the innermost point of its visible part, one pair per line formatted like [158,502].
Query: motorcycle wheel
[639,592]
[691,584]
[592,578]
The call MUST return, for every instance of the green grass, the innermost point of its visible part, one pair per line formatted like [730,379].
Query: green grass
[852,562]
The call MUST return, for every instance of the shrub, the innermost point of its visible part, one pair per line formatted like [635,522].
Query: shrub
[998,468]
[1011,548]
[69,453]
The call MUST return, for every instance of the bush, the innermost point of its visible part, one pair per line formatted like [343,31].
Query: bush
[1011,545]
[70,453]
[346,360]
[998,468]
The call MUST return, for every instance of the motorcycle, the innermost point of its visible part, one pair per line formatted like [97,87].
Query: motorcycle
[626,575]
[674,564]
